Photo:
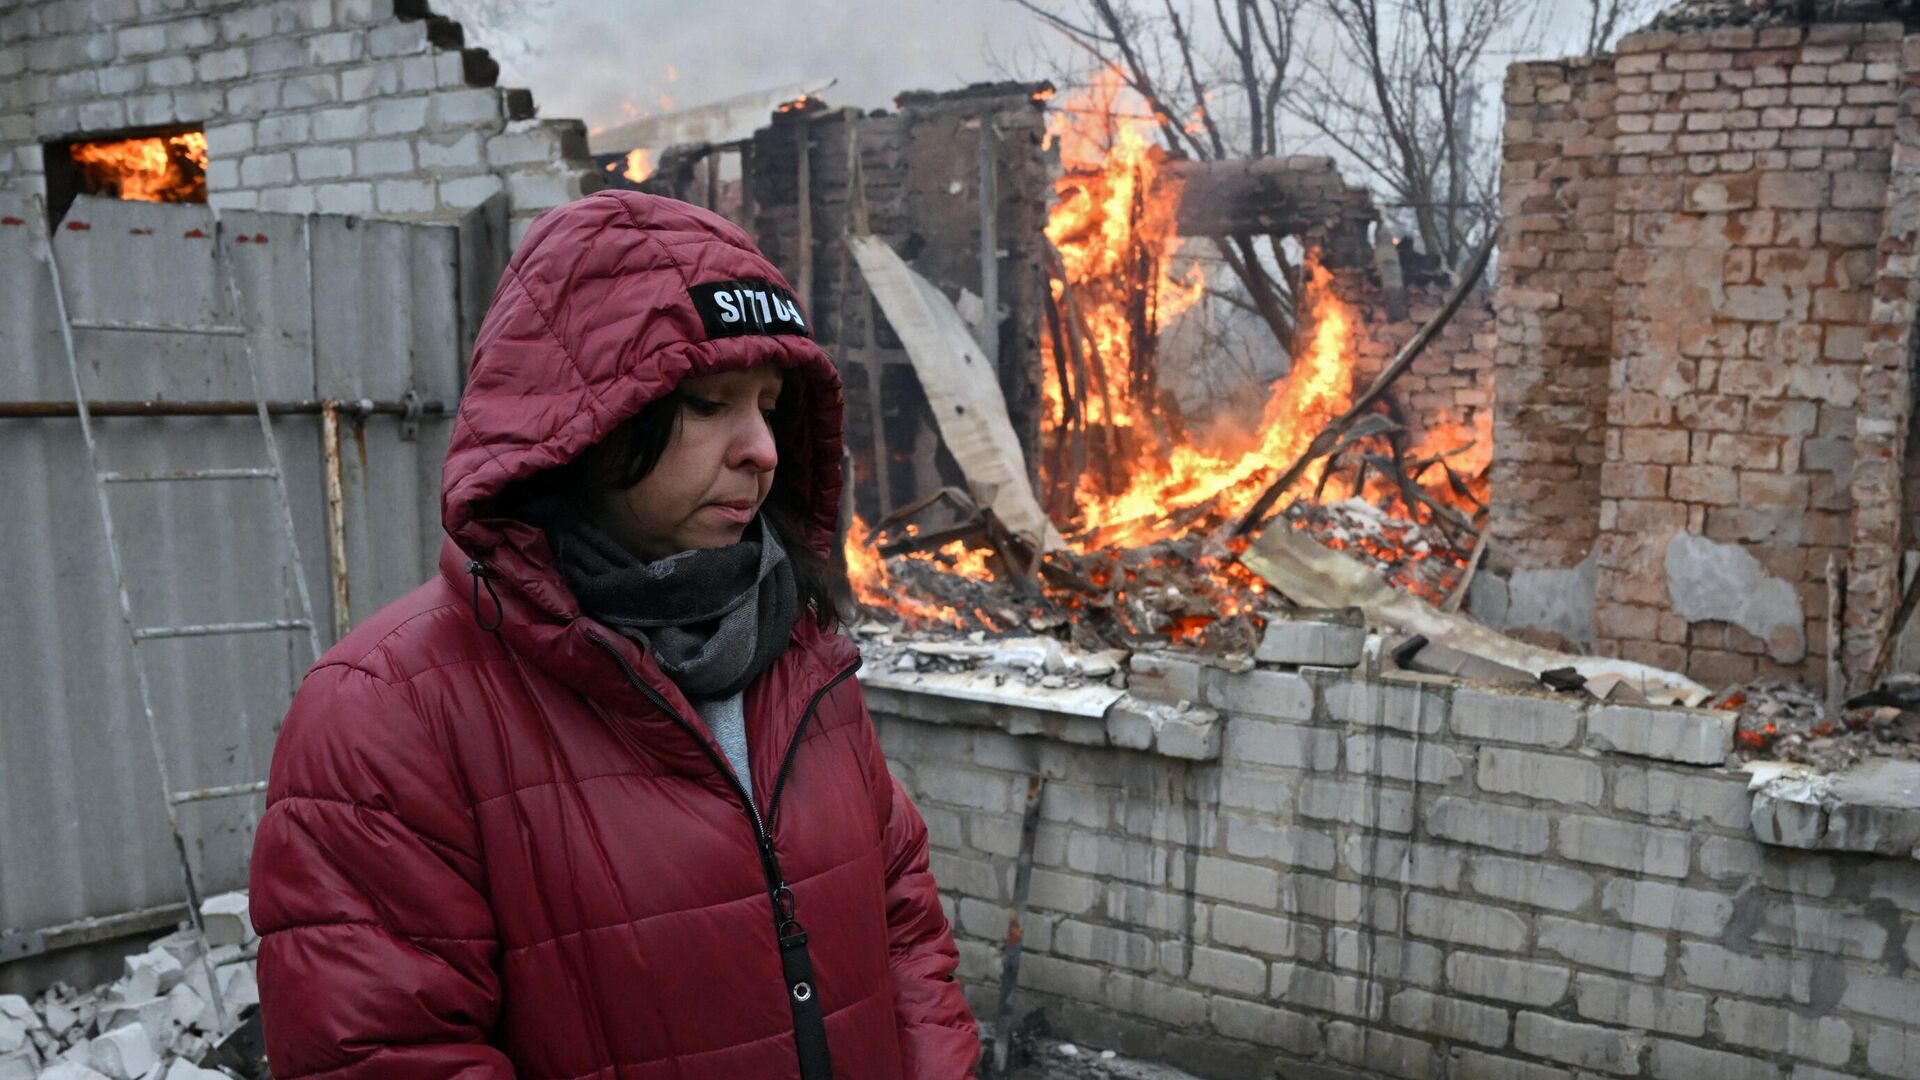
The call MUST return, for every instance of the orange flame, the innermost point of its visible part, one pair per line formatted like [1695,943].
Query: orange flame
[874,587]
[165,168]
[1116,199]
[1114,206]
[1315,392]
[1114,226]
[639,165]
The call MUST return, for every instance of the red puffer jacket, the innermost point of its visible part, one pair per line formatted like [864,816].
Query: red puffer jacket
[519,854]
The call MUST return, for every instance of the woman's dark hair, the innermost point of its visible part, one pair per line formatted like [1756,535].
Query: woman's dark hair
[631,451]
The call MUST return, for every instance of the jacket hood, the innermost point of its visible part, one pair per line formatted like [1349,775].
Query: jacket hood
[609,303]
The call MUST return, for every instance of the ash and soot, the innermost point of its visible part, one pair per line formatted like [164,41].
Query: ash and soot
[1145,507]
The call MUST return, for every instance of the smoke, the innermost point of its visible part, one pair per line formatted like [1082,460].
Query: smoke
[610,61]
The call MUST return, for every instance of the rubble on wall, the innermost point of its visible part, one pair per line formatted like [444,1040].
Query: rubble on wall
[1788,722]
[1707,14]
[153,1023]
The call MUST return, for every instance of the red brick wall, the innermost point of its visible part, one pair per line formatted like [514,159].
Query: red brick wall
[1555,314]
[1752,169]
[1703,218]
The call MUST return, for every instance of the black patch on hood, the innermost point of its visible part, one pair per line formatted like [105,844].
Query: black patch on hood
[737,308]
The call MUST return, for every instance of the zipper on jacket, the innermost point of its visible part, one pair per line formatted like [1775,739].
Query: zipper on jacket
[762,828]
[796,964]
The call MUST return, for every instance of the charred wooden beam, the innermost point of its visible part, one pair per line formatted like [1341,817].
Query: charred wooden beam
[1286,196]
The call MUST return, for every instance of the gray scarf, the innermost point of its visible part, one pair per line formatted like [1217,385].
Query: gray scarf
[713,617]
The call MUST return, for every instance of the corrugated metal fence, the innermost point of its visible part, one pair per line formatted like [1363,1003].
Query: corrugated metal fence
[335,308]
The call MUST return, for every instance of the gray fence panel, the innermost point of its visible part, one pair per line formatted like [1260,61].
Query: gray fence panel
[27,326]
[388,329]
[81,827]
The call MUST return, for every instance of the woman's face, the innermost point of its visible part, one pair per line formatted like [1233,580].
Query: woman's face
[713,474]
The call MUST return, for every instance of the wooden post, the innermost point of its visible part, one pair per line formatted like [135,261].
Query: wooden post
[1016,934]
[746,191]
[803,273]
[989,244]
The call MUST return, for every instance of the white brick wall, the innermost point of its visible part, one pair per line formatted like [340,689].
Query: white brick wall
[333,105]
[1384,881]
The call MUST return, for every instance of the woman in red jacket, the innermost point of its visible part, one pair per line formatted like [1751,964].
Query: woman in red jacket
[602,800]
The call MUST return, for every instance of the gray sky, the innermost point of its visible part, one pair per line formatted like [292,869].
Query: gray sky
[596,59]
[608,61]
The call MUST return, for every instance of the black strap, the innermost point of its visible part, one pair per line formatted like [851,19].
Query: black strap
[809,1026]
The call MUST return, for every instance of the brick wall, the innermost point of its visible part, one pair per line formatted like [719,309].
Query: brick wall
[1409,879]
[1446,397]
[1753,169]
[1752,303]
[1556,315]
[336,106]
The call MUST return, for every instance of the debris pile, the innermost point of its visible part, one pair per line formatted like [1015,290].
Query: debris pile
[153,1023]
[1415,558]
[1167,592]
[1708,14]
[1040,662]
[1786,722]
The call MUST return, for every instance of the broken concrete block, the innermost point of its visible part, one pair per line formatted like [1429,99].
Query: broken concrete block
[17,1018]
[77,1053]
[1128,724]
[1317,641]
[1693,736]
[60,1017]
[226,919]
[1163,677]
[70,1070]
[183,945]
[183,1069]
[186,1009]
[1193,735]
[150,974]
[1176,730]
[23,1064]
[239,987]
[151,1015]
[124,1053]
[1876,808]
[1789,816]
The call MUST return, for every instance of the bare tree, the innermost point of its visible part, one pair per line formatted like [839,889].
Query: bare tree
[1606,19]
[1399,93]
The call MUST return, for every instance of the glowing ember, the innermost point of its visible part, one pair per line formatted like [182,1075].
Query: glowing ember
[873,585]
[165,168]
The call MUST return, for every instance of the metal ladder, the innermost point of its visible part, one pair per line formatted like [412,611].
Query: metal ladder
[136,634]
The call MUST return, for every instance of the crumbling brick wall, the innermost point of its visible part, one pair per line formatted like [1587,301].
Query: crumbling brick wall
[1555,314]
[914,176]
[1445,398]
[336,106]
[1750,219]
[1407,878]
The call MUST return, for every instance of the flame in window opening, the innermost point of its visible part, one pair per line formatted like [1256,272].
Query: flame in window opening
[164,168]
[639,165]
